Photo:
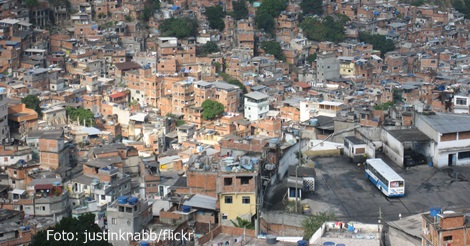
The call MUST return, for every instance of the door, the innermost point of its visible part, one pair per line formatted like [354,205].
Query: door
[160,190]
[452,159]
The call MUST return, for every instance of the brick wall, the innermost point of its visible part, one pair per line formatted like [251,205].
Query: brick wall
[237,231]
[205,218]
[206,238]
[206,181]
[448,137]
[280,229]
[464,135]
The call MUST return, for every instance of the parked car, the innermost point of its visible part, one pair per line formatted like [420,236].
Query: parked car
[409,162]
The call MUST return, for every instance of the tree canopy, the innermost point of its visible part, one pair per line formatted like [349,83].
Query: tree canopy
[272,7]
[312,7]
[212,109]
[215,16]
[179,27]
[81,114]
[240,11]
[239,84]
[463,6]
[78,227]
[273,48]
[150,6]
[311,58]
[265,21]
[32,102]
[31,3]
[380,42]
[313,222]
[267,11]
[330,28]
[210,47]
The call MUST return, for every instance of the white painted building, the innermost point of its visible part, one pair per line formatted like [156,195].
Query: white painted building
[450,134]
[312,108]
[461,104]
[256,105]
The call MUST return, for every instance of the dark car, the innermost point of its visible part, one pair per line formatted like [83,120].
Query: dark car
[409,162]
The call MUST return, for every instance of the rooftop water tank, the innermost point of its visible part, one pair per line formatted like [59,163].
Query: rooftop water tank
[122,200]
[434,211]
[144,244]
[186,209]
[133,200]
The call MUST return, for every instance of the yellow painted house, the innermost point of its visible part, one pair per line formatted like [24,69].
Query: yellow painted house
[347,67]
[237,196]
[233,205]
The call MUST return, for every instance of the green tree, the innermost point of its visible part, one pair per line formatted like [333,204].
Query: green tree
[31,3]
[150,6]
[330,28]
[128,18]
[180,122]
[32,102]
[312,58]
[265,22]
[78,227]
[239,84]
[273,48]
[300,156]
[241,223]
[272,7]
[379,42]
[312,7]
[461,6]
[212,109]
[418,3]
[267,11]
[384,106]
[240,11]
[179,27]
[81,114]
[313,222]
[210,47]
[215,16]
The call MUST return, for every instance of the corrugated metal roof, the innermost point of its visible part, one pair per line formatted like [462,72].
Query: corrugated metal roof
[448,123]
[201,201]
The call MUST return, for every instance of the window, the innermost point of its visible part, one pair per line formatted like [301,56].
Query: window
[114,221]
[227,181]
[461,101]
[245,180]
[447,238]
[228,200]
[15,172]
[224,216]
[246,200]
[103,197]
[464,155]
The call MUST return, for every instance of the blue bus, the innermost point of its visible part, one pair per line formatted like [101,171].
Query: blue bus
[384,178]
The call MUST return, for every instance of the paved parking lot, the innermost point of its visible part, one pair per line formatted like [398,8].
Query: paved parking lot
[341,187]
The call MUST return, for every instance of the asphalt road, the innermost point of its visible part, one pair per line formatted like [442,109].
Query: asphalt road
[342,188]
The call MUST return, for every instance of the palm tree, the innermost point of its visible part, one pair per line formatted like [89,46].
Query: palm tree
[243,223]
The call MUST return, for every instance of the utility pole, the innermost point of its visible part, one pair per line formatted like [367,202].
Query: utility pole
[296,173]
